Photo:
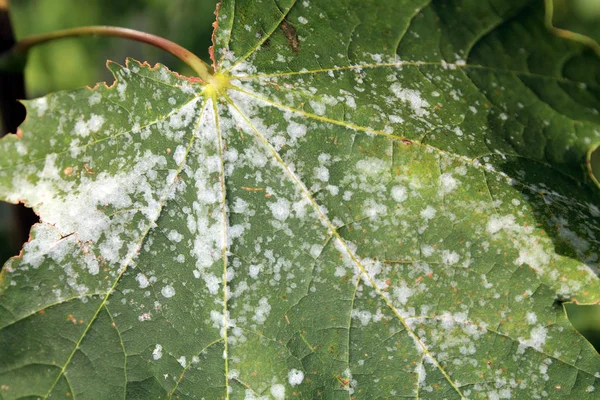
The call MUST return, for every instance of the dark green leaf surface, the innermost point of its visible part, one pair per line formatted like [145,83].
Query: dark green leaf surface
[383,199]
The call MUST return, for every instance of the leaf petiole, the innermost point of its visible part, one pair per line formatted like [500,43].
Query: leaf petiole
[200,67]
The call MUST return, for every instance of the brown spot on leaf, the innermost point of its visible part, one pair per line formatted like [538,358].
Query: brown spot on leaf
[290,34]
[88,170]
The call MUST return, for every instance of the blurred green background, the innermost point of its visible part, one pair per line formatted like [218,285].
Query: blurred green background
[72,63]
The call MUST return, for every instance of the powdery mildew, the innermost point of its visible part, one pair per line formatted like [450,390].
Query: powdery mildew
[342,228]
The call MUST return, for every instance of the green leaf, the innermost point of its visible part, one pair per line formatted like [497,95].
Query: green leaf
[370,200]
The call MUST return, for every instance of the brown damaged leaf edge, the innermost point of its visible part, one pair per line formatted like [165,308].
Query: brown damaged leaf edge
[211,49]
[145,64]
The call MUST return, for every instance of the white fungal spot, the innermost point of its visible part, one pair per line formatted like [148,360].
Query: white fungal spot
[168,291]
[418,105]
[319,108]
[296,130]
[450,257]
[253,271]
[280,209]
[421,373]
[295,377]
[85,128]
[447,183]
[536,340]
[41,105]
[495,224]
[157,352]
[399,193]
[278,391]
[175,236]
[402,293]
[428,212]
[531,318]
[179,154]
[142,280]
[322,173]
[94,99]
[262,311]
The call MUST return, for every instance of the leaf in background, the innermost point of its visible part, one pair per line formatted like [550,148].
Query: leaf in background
[371,199]
[580,16]
[69,64]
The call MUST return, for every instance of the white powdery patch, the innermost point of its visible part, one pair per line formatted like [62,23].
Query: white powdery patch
[372,167]
[450,257]
[79,207]
[403,293]
[495,223]
[295,377]
[46,238]
[185,116]
[85,128]
[240,206]
[318,108]
[254,270]
[280,209]
[428,213]
[142,281]
[373,209]
[182,361]
[399,193]
[157,352]
[534,249]
[531,318]
[536,340]
[322,173]
[50,170]
[262,311]
[94,99]
[363,316]
[212,283]
[447,183]
[577,242]
[179,154]
[168,291]
[40,105]
[278,391]
[175,236]
[427,250]
[207,214]
[418,105]
[421,373]
[296,130]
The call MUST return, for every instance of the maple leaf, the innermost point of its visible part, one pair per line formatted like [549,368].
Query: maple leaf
[368,199]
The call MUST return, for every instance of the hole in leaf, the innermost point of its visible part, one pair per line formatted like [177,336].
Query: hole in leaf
[595,163]
[15,223]
[586,319]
